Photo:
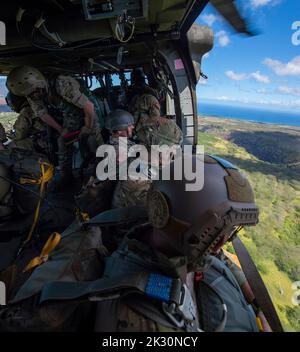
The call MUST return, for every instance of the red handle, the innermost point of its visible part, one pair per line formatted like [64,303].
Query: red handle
[71,134]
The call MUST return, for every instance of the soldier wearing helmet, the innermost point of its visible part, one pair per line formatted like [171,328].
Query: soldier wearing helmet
[60,103]
[151,128]
[29,130]
[175,253]
[165,276]
[138,87]
[127,192]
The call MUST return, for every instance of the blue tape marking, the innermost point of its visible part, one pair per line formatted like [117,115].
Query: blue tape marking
[159,287]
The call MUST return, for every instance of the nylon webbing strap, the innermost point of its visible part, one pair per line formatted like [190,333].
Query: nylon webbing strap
[143,282]
[257,285]
[111,217]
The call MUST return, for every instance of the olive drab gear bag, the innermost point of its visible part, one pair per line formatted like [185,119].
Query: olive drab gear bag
[28,172]
[73,257]
[76,256]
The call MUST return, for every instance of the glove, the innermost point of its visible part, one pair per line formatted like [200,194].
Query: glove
[2,133]
[64,132]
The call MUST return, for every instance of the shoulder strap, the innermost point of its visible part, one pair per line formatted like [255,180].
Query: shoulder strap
[257,285]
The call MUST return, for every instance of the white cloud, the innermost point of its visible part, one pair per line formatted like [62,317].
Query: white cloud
[223,38]
[288,90]
[260,3]
[292,68]
[259,77]
[273,102]
[209,19]
[236,76]
[202,81]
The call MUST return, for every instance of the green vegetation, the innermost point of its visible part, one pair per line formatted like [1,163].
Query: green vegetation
[270,156]
[7,119]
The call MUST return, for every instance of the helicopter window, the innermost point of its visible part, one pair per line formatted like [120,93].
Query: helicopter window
[115,80]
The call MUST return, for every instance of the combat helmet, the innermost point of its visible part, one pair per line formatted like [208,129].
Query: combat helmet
[119,120]
[194,222]
[137,76]
[16,103]
[24,80]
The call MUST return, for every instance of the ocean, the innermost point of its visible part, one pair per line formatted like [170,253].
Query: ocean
[278,117]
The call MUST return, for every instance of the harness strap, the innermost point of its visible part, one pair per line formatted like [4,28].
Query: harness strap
[257,285]
[177,302]
[47,171]
[49,246]
[168,289]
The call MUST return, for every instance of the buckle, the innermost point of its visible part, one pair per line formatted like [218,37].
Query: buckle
[187,306]
[177,301]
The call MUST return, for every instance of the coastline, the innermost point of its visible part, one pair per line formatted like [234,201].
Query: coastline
[235,121]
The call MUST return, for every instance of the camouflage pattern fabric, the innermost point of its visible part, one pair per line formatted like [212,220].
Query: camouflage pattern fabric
[128,192]
[151,128]
[2,133]
[65,102]
[158,131]
[69,89]
[127,320]
[146,105]
[135,92]
[28,125]
[131,193]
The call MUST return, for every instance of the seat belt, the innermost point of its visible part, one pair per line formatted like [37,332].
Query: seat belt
[257,285]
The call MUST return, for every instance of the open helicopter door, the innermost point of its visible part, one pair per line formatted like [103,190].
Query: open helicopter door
[181,60]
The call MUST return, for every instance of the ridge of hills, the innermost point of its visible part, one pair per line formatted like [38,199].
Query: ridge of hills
[270,156]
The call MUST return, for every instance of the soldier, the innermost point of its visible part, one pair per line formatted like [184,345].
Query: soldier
[59,103]
[175,282]
[129,192]
[163,276]
[138,87]
[151,128]
[29,130]
[120,123]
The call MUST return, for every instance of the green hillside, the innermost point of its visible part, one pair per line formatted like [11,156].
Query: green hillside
[7,119]
[270,156]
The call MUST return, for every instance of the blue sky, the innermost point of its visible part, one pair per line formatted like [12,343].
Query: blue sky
[263,70]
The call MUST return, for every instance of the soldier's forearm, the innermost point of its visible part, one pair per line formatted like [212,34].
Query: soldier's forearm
[89,114]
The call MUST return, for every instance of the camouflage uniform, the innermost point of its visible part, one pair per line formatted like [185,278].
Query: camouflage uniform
[27,125]
[146,106]
[151,128]
[65,102]
[128,193]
